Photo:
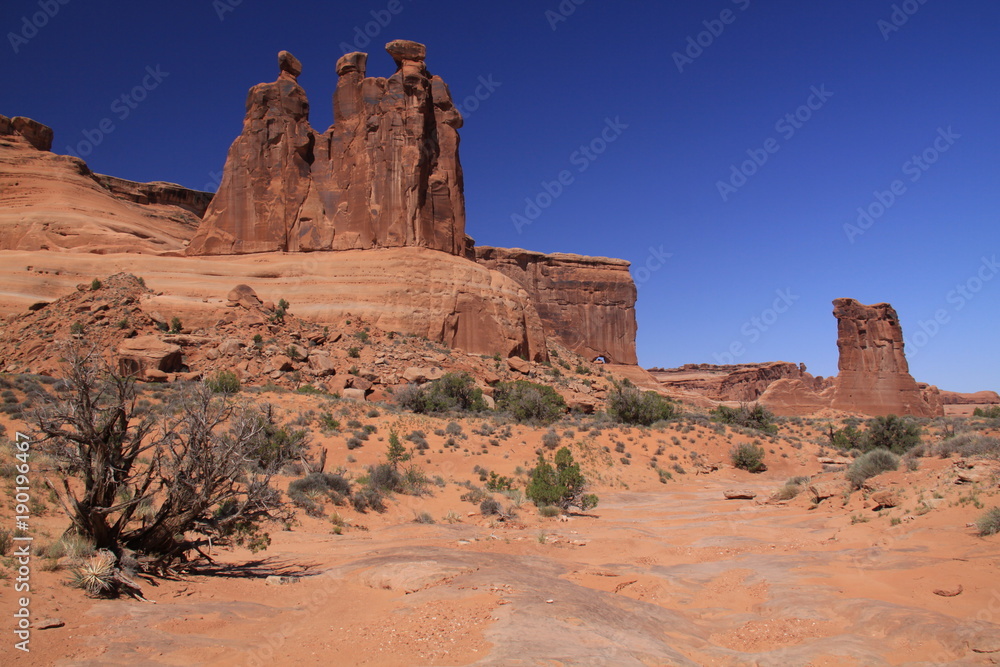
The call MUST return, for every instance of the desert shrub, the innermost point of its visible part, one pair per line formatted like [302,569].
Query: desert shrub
[562,485]
[989,522]
[551,439]
[316,487]
[207,453]
[423,517]
[791,489]
[69,545]
[97,576]
[529,402]
[327,422]
[95,285]
[549,511]
[754,416]
[474,495]
[354,442]
[748,456]
[223,382]
[846,438]
[870,464]
[896,434]
[175,325]
[499,482]
[453,391]
[354,353]
[368,498]
[970,444]
[419,440]
[992,412]
[385,477]
[627,404]
[6,541]
[489,507]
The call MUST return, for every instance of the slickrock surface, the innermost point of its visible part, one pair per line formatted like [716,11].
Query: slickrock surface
[54,202]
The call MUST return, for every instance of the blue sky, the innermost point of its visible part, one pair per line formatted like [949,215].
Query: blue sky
[820,108]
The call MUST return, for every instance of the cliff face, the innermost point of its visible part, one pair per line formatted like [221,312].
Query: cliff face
[586,303]
[874,377]
[385,175]
[54,202]
[735,382]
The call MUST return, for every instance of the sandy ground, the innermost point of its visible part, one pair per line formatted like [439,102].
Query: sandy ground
[657,574]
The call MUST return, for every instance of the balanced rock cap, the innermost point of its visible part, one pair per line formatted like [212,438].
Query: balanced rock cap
[404,49]
[289,63]
[352,62]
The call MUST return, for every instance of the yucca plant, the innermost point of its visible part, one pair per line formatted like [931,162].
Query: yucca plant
[97,575]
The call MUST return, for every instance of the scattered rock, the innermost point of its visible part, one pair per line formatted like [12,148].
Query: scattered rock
[518,364]
[949,592]
[136,355]
[820,492]
[354,394]
[884,499]
[322,365]
[739,494]
[275,580]
[49,624]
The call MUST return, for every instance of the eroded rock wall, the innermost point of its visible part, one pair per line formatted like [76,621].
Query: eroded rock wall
[586,303]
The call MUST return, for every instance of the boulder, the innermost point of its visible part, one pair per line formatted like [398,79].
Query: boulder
[244,295]
[739,494]
[822,491]
[884,499]
[280,362]
[136,355]
[230,346]
[354,394]
[322,364]
[518,364]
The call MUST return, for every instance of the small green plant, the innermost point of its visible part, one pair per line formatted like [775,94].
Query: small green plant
[548,511]
[76,328]
[754,416]
[989,523]
[95,285]
[562,485]
[499,482]
[293,352]
[175,325]
[895,434]
[528,402]
[992,412]
[748,456]
[868,465]
[396,453]
[453,391]
[362,336]
[354,353]
[97,576]
[628,405]
[224,382]
[258,341]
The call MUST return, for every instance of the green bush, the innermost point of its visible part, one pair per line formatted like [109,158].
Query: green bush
[489,507]
[992,412]
[562,485]
[628,405]
[989,523]
[846,438]
[95,285]
[754,416]
[354,353]
[224,382]
[453,391]
[529,402]
[970,444]
[898,435]
[549,511]
[175,325]
[748,456]
[868,465]
[309,491]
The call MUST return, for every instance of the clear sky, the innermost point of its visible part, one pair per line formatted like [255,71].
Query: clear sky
[724,147]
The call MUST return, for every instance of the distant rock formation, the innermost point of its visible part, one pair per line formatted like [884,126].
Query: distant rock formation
[735,382]
[586,303]
[974,398]
[386,174]
[54,202]
[874,377]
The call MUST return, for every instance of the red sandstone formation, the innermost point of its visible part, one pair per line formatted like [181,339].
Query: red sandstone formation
[874,377]
[386,174]
[54,202]
[736,382]
[974,398]
[586,303]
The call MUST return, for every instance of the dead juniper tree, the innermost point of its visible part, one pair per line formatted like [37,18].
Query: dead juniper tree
[157,489]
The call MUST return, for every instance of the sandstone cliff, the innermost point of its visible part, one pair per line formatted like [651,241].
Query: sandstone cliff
[586,303]
[54,202]
[734,382]
[386,174]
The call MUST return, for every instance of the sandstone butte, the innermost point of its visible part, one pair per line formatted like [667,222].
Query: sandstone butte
[383,187]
